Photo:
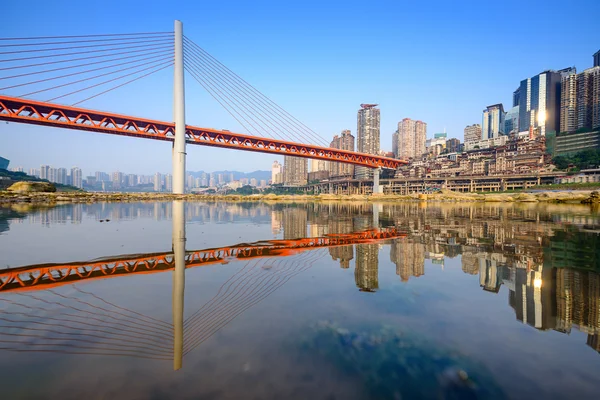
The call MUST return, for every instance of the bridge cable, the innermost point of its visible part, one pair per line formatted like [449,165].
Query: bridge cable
[162,47]
[266,120]
[162,56]
[279,110]
[196,75]
[123,84]
[79,42]
[244,87]
[155,41]
[163,52]
[87,36]
[83,52]
[169,62]
[237,99]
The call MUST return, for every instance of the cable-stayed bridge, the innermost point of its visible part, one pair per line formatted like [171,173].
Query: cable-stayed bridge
[44,81]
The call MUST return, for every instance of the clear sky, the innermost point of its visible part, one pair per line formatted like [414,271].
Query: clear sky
[438,61]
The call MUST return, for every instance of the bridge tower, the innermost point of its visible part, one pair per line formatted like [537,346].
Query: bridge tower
[179,114]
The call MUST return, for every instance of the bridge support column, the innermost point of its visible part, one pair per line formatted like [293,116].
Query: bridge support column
[376,186]
[179,114]
[178,281]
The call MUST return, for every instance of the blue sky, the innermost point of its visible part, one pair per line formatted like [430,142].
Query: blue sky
[440,62]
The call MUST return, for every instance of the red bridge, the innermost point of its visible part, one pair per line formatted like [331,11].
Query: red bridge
[30,65]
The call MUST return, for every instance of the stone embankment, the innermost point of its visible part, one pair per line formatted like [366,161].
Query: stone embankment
[569,197]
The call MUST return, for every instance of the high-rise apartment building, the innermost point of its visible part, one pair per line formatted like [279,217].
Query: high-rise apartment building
[343,142]
[276,173]
[34,172]
[52,174]
[189,181]
[318,165]
[597,59]
[539,102]
[131,180]
[588,98]
[61,176]
[157,182]
[76,177]
[410,138]
[295,171]
[44,172]
[492,124]
[117,179]
[168,183]
[453,145]
[102,176]
[568,102]
[580,100]
[472,133]
[367,136]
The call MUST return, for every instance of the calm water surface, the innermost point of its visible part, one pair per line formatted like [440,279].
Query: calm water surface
[296,301]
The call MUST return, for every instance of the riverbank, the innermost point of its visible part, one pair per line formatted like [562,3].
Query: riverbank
[569,197]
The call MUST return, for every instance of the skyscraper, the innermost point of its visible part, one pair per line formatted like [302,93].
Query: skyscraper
[472,133]
[597,59]
[580,100]
[295,171]
[511,120]
[276,175]
[568,102]
[516,97]
[539,102]
[343,142]
[492,122]
[168,183]
[61,176]
[157,182]
[76,177]
[318,165]
[44,172]
[411,137]
[367,136]
[52,174]
[117,179]
[588,98]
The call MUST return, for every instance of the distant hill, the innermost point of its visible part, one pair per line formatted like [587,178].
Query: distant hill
[237,175]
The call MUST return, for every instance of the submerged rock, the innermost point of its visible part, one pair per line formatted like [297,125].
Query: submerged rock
[391,364]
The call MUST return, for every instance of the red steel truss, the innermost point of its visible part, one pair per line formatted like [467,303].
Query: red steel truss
[44,276]
[14,109]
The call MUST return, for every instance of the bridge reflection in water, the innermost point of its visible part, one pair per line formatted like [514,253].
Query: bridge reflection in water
[546,259]
[88,324]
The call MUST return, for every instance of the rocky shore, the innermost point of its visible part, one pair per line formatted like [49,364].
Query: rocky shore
[568,197]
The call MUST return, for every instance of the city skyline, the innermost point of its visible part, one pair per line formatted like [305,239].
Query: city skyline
[329,112]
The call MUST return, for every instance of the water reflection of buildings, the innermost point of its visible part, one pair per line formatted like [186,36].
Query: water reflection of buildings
[366,272]
[409,257]
[551,273]
[205,212]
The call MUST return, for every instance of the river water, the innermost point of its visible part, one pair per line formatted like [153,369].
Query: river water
[296,301]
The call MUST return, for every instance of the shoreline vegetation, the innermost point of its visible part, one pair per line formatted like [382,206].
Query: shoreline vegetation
[556,197]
